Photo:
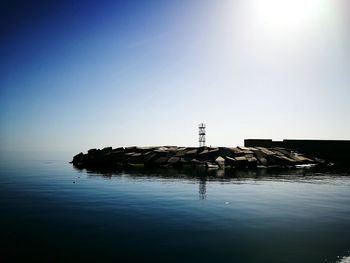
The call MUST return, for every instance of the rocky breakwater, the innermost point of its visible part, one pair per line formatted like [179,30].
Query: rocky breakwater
[178,157]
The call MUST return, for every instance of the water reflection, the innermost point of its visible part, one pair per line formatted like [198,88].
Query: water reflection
[202,176]
[202,188]
[193,174]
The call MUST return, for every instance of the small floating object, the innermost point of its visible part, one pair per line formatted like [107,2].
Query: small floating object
[227,203]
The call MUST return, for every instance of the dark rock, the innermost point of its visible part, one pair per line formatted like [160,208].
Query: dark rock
[130,149]
[302,159]
[181,152]
[150,157]
[252,161]
[92,151]
[133,158]
[173,160]
[107,149]
[120,149]
[198,163]
[173,156]
[241,162]
[225,152]
[236,152]
[117,156]
[245,150]
[261,157]
[161,160]
[266,151]
[191,153]
[213,154]
[230,161]
[79,158]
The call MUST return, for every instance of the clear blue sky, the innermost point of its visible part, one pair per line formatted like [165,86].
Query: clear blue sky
[81,74]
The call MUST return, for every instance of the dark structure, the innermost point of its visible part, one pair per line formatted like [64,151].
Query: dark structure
[337,151]
[179,157]
[201,128]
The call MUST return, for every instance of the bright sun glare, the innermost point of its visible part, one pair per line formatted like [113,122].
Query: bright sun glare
[286,15]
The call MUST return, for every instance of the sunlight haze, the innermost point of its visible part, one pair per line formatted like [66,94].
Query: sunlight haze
[79,75]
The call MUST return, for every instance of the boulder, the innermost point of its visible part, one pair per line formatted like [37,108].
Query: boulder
[252,161]
[133,158]
[130,149]
[235,152]
[198,163]
[107,149]
[78,159]
[119,149]
[117,156]
[181,152]
[149,158]
[92,151]
[280,160]
[283,151]
[230,161]
[260,156]
[191,153]
[220,161]
[213,154]
[266,151]
[185,162]
[173,160]
[224,151]
[241,162]
[161,151]
[245,150]
[173,150]
[163,148]
[161,160]
[203,155]
[302,159]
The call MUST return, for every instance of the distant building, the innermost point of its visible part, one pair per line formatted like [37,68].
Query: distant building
[331,150]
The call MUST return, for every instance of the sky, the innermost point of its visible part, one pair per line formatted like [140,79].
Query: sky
[76,75]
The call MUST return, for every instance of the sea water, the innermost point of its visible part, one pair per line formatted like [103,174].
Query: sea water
[50,211]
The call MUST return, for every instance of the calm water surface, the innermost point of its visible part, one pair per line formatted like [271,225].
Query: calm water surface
[51,211]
